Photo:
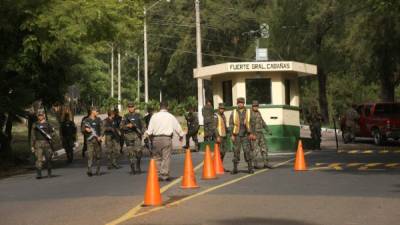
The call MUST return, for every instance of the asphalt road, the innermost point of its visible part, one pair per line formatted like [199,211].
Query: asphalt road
[359,185]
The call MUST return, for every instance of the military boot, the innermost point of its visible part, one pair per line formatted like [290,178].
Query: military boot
[98,170]
[133,171]
[235,170]
[38,174]
[89,172]
[250,167]
[49,169]
[139,170]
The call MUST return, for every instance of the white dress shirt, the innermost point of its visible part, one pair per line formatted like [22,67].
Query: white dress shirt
[164,123]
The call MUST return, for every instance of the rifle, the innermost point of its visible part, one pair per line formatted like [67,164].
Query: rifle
[135,128]
[93,134]
[47,136]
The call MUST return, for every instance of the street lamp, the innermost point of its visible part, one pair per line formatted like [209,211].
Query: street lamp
[146,84]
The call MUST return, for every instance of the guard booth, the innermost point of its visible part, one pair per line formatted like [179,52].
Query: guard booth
[274,84]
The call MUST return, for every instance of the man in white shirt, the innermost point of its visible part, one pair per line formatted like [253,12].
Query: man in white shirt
[161,128]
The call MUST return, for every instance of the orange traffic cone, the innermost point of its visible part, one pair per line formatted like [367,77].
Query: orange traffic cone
[152,196]
[300,164]
[208,166]
[188,180]
[219,167]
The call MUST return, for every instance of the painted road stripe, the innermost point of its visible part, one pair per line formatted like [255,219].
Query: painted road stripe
[369,165]
[353,152]
[354,164]
[321,164]
[392,165]
[368,152]
[383,151]
[133,212]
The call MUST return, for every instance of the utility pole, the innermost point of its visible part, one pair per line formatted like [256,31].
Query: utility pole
[112,71]
[146,88]
[146,71]
[200,92]
[119,80]
[138,78]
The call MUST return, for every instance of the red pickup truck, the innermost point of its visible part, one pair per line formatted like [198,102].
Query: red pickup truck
[377,120]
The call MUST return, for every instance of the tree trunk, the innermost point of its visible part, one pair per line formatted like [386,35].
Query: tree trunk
[387,89]
[4,146]
[323,102]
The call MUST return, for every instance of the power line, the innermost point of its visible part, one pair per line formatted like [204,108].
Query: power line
[206,54]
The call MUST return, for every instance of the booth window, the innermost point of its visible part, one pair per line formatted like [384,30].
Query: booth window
[287,92]
[258,89]
[227,92]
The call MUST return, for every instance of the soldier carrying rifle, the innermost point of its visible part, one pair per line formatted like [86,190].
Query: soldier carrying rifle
[91,127]
[132,127]
[41,144]
[112,136]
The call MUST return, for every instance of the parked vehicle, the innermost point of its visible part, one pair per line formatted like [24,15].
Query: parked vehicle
[380,121]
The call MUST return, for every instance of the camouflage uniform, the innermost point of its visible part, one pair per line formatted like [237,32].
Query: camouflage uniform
[315,120]
[93,143]
[68,134]
[208,115]
[221,130]
[41,146]
[351,122]
[133,139]
[112,141]
[240,132]
[258,143]
[193,129]
[118,119]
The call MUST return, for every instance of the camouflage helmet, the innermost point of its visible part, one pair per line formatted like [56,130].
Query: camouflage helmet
[240,100]
[254,103]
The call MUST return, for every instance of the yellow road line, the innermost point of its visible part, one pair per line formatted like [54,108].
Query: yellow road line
[392,165]
[369,165]
[383,151]
[353,152]
[208,190]
[397,151]
[320,168]
[133,212]
[368,152]
[354,164]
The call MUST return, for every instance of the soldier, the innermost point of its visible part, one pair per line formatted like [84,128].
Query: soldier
[208,115]
[351,122]
[91,127]
[118,120]
[240,123]
[221,129]
[68,135]
[84,148]
[132,127]
[258,144]
[193,128]
[41,143]
[112,139]
[315,120]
